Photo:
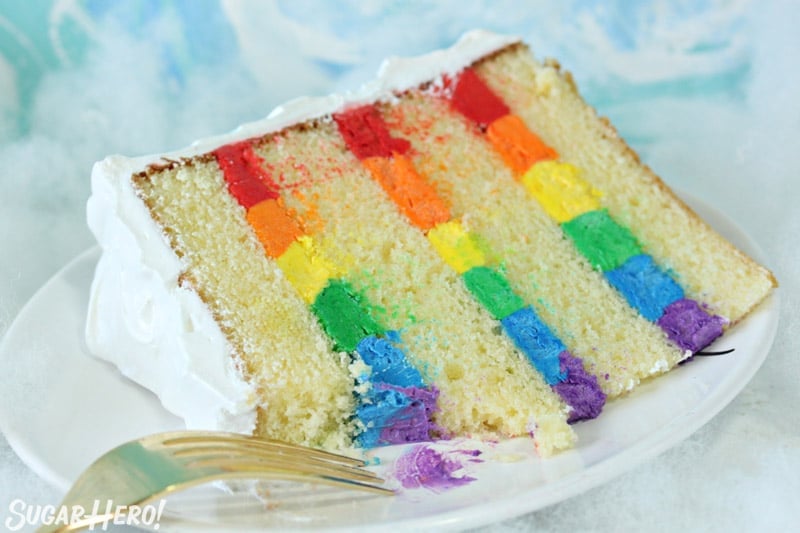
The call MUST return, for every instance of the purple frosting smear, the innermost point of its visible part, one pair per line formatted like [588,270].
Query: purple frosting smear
[579,390]
[424,467]
[689,326]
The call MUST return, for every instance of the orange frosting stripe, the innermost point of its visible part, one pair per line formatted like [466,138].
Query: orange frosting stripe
[274,226]
[519,146]
[415,197]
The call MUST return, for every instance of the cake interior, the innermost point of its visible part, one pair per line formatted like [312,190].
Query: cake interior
[710,268]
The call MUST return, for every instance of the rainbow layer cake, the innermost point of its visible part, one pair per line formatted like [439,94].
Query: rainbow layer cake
[461,248]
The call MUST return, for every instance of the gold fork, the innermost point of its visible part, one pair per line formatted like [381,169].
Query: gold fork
[147,469]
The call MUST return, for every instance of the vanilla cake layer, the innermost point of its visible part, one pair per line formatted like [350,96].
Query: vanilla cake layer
[486,387]
[614,341]
[304,390]
[710,269]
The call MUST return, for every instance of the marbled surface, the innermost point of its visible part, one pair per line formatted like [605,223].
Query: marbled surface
[705,91]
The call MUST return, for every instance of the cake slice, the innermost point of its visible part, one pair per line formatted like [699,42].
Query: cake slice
[462,248]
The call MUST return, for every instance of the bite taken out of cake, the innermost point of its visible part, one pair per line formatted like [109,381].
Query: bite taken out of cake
[460,248]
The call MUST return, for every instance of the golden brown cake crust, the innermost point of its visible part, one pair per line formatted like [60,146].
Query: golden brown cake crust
[620,147]
[611,133]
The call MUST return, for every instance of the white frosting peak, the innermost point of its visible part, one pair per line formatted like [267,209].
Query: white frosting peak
[396,74]
[162,335]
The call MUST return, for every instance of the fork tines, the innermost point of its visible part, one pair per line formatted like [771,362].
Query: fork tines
[237,454]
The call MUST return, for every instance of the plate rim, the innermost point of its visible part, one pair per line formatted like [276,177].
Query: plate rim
[519,504]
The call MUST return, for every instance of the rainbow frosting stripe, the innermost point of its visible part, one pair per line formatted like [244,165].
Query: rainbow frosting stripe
[576,206]
[368,138]
[394,403]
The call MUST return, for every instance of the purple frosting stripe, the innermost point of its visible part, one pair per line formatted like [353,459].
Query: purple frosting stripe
[580,390]
[689,326]
[414,423]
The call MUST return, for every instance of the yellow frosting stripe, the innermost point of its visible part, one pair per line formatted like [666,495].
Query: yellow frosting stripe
[561,190]
[306,268]
[459,248]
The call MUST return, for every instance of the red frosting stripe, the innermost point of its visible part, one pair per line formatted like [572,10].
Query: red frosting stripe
[247,180]
[412,193]
[249,193]
[366,135]
[476,101]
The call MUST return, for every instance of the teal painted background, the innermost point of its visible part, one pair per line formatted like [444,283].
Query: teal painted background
[619,50]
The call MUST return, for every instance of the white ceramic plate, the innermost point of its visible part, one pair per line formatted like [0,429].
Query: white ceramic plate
[63,408]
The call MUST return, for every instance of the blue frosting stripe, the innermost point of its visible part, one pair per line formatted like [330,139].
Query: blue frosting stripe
[379,409]
[646,287]
[537,342]
[388,362]
[398,405]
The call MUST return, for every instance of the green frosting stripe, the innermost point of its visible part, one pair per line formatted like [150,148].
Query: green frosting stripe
[492,290]
[604,243]
[344,315]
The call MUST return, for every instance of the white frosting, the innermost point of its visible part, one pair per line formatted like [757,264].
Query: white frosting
[162,335]
[159,334]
